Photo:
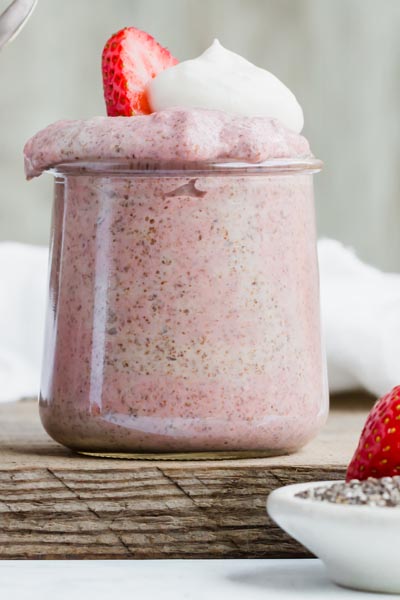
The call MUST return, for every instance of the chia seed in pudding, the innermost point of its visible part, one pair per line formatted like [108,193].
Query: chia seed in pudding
[184,308]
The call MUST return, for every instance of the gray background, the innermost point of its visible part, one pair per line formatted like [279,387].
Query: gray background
[340,57]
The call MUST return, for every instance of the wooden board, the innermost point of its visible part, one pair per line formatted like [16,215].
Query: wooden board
[55,504]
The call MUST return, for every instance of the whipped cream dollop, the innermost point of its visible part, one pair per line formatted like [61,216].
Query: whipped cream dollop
[222,80]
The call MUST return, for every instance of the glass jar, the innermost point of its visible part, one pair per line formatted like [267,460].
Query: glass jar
[183,315]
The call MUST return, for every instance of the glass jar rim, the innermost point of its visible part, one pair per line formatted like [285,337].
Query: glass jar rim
[148,168]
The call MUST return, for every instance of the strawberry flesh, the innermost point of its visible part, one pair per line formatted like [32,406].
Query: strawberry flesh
[378,451]
[130,59]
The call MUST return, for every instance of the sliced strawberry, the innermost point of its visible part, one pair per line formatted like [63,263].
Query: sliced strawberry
[131,58]
[378,451]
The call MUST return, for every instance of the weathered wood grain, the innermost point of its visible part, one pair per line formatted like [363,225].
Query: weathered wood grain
[54,504]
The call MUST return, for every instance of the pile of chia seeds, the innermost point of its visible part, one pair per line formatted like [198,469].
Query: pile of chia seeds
[370,492]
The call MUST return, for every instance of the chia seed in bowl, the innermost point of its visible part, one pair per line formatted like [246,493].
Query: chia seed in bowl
[384,492]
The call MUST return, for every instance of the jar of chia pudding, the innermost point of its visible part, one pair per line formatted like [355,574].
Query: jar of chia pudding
[183,314]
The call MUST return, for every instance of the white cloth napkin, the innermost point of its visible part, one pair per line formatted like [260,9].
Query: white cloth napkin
[361,321]
[23,276]
[360,315]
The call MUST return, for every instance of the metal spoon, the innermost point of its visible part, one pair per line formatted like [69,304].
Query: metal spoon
[14,18]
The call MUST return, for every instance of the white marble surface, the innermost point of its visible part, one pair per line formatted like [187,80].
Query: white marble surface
[170,580]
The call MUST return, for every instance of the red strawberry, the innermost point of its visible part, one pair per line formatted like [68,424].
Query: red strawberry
[131,58]
[378,451]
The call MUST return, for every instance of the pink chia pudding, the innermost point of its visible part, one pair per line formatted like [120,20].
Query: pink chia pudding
[183,311]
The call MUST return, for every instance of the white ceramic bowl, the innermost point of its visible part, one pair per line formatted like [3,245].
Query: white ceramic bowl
[360,545]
